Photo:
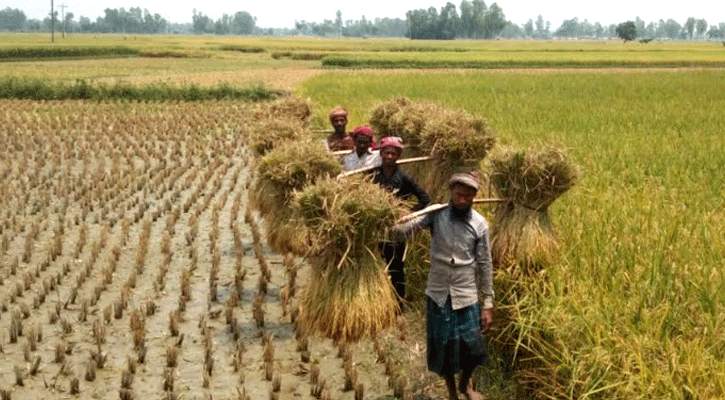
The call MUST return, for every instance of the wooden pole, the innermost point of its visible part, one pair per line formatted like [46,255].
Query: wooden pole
[399,162]
[436,207]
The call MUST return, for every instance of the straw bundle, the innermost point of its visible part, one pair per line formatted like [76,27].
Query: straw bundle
[522,232]
[288,168]
[269,124]
[350,295]
[456,140]
[265,134]
[293,107]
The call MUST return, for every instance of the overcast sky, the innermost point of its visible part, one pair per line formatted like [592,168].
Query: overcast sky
[280,14]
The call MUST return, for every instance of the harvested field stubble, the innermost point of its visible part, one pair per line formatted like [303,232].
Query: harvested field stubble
[131,214]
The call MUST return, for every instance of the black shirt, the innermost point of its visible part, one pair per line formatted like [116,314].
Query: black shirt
[402,186]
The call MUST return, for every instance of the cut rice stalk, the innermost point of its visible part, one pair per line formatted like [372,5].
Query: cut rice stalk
[532,179]
[350,296]
[288,168]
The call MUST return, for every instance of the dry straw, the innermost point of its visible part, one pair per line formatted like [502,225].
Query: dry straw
[532,179]
[289,168]
[349,295]
[457,140]
[272,123]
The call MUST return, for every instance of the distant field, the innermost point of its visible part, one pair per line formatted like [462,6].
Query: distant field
[637,56]
[209,60]
[634,307]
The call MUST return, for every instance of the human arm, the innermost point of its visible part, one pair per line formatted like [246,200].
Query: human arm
[411,187]
[484,278]
[409,228]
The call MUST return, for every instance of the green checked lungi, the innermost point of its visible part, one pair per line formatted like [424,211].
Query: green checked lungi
[455,341]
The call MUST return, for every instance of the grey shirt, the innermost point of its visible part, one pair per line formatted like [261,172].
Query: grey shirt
[460,257]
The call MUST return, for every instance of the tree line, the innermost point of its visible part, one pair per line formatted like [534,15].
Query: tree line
[471,19]
[133,20]
[382,27]
[475,20]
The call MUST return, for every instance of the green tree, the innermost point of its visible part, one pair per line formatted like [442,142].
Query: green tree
[598,30]
[639,25]
[201,23]
[568,28]
[494,21]
[671,28]
[338,23]
[12,19]
[542,30]
[467,26]
[512,31]
[85,24]
[690,26]
[479,11]
[448,22]
[627,31]
[529,28]
[243,23]
[701,27]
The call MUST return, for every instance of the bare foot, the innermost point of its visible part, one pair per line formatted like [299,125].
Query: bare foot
[471,394]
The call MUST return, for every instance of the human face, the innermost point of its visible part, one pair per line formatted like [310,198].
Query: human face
[338,123]
[362,143]
[462,196]
[389,156]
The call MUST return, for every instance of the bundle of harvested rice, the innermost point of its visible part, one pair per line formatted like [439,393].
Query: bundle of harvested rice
[382,114]
[293,107]
[350,295]
[288,168]
[531,179]
[271,123]
[263,135]
[456,140]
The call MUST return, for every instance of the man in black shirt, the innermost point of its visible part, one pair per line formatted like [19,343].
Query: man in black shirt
[392,178]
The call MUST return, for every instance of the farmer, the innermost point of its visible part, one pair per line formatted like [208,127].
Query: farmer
[392,178]
[339,139]
[461,266]
[361,156]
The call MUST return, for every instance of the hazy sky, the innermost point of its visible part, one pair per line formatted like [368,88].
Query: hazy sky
[278,14]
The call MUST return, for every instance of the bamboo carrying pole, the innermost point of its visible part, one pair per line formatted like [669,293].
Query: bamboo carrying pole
[436,207]
[399,162]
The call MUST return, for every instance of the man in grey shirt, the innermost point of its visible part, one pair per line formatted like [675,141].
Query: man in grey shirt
[460,267]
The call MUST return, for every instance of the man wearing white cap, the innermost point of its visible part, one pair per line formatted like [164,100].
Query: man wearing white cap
[461,267]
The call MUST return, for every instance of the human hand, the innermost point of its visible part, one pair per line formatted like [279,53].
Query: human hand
[486,319]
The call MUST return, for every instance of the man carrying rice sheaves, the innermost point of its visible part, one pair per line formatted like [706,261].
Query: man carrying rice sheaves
[460,258]
[392,178]
[339,139]
[362,156]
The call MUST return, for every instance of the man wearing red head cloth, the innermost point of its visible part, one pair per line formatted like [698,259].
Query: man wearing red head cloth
[339,139]
[362,156]
[392,178]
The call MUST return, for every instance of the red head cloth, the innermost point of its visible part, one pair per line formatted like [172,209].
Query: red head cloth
[363,130]
[391,141]
[338,111]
